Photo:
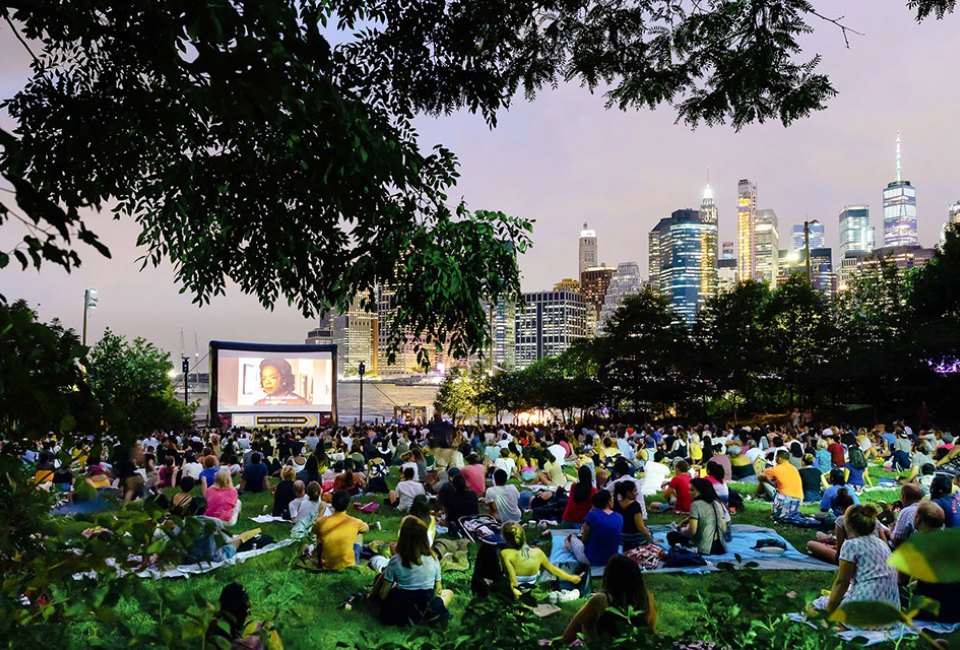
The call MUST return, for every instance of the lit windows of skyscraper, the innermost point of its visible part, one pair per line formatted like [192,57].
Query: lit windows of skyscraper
[594,283]
[548,324]
[746,227]
[727,252]
[856,233]
[588,249]
[821,267]
[655,257]
[953,218]
[687,259]
[708,247]
[624,283]
[817,236]
[899,210]
[766,243]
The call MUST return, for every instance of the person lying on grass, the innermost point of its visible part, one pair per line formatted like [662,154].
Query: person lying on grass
[623,589]
[523,563]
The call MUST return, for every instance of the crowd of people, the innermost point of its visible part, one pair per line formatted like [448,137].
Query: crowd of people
[442,475]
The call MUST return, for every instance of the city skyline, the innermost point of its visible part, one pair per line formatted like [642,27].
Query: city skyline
[564,160]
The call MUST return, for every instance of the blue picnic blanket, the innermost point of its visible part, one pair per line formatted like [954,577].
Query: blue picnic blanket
[745,538]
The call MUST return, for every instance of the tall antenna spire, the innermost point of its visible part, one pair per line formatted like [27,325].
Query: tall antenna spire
[898,157]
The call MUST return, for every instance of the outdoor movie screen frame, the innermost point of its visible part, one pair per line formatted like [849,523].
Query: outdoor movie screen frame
[303,389]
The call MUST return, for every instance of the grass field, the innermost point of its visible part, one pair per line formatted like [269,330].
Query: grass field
[304,604]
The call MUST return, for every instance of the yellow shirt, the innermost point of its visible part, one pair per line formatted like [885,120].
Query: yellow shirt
[554,472]
[337,534]
[788,479]
[526,563]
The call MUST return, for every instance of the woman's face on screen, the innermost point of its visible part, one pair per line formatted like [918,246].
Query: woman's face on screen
[270,380]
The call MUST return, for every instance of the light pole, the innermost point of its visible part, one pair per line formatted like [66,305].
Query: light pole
[186,371]
[89,302]
[362,368]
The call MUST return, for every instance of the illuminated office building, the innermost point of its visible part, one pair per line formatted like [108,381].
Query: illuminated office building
[727,252]
[548,323]
[817,236]
[746,230]
[766,247]
[686,244]
[899,210]
[856,233]
[625,282]
[821,267]
[588,249]
[594,282]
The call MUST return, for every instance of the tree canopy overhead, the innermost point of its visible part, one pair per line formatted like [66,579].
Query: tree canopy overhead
[271,143]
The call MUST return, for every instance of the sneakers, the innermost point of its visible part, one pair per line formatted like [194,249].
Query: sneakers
[565,596]
[354,599]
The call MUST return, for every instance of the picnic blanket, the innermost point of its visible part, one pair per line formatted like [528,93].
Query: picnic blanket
[892,634]
[185,570]
[267,519]
[744,539]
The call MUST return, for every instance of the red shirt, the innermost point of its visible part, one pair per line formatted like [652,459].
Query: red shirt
[836,453]
[575,512]
[476,477]
[681,488]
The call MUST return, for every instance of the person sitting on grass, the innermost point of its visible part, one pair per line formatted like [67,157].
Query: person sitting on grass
[600,536]
[181,503]
[230,625]
[929,520]
[781,484]
[284,493]
[623,589]
[458,501]
[629,504]
[502,499]
[222,498]
[826,547]
[579,504]
[810,479]
[677,491]
[706,527]
[863,574]
[941,493]
[858,473]
[407,490]
[304,509]
[420,508]
[412,588]
[254,477]
[523,563]
[337,535]
[910,497]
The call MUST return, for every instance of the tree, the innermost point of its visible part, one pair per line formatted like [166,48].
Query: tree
[42,385]
[271,143]
[456,394]
[642,353]
[732,340]
[131,382]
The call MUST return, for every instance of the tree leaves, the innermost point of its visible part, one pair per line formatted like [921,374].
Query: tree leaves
[930,557]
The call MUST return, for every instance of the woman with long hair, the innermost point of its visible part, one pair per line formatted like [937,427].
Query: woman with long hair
[412,589]
[579,504]
[623,590]
[706,526]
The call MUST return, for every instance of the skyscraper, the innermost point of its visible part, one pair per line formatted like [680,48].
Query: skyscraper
[821,267]
[594,282]
[688,268]
[953,218]
[727,253]
[766,247]
[856,233]
[588,249]
[899,210]
[548,324]
[746,227]
[655,257]
[502,319]
[817,236]
[709,216]
[356,335]
[624,283]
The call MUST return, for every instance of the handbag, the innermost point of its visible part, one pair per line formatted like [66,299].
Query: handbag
[679,557]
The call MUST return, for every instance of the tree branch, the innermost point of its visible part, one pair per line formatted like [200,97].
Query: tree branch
[836,21]
[16,32]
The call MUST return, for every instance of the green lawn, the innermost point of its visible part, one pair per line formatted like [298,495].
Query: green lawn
[304,604]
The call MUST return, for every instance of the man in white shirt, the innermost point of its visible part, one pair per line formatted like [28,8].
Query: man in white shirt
[506,463]
[625,449]
[407,490]
[503,499]
[654,474]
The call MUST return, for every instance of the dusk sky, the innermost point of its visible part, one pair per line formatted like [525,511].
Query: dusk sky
[564,160]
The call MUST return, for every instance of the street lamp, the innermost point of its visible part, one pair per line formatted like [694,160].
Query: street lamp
[186,371]
[89,302]
[361,369]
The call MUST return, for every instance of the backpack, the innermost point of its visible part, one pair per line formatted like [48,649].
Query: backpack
[678,557]
[857,459]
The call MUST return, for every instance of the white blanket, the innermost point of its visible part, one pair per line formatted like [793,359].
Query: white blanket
[892,634]
[185,570]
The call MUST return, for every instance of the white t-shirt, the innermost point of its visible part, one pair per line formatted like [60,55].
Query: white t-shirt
[654,474]
[752,454]
[507,500]
[507,465]
[406,492]
[193,470]
[416,472]
[558,452]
